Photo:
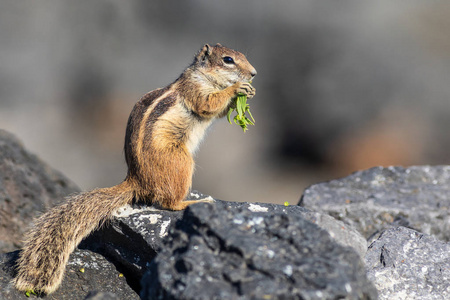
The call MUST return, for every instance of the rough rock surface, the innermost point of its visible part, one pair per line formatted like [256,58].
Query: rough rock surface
[218,252]
[133,237]
[342,233]
[405,264]
[98,275]
[101,296]
[375,199]
[140,227]
[137,233]
[28,187]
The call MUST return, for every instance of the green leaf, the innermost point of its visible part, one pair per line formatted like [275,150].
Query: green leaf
[240,111]
[230,110]
[250,114]
[29,292]
[248,121]
[241,107]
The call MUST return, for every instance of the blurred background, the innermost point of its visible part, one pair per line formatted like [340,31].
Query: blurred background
[341,86]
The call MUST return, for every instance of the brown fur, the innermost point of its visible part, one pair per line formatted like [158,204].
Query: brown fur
[163,132]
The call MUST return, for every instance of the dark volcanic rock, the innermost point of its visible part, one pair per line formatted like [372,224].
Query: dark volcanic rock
[28,187]
[375,199]
[406,264]
[342,233]
[98,275]
[137,233]
[101,296]
[133,237]
[220,252]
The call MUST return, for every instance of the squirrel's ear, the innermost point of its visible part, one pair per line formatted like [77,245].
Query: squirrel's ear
[207,49]
[204,52]
[219,45]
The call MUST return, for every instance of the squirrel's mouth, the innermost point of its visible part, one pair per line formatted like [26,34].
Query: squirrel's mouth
[248,79]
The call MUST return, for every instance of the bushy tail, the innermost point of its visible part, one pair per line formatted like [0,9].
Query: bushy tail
[57,233]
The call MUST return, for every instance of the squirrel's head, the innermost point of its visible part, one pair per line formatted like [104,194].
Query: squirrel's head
[223,65]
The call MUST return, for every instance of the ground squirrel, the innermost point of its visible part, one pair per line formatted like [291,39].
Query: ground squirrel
[163,131]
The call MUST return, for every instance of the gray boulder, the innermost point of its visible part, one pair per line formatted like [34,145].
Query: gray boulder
[28,187]
[221,252]
[86,271]
[342,233]
[132,239]
[406,264]
[101,296]
[378,198]
[137,232]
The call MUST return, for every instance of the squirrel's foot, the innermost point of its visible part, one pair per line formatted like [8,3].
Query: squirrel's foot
[183,204]
[245,88]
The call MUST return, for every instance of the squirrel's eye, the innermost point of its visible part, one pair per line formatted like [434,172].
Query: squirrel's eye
[228,60]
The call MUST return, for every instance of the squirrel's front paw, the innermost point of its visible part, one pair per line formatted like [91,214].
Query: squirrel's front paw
[245,88]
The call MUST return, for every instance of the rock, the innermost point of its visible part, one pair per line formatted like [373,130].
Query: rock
[133,237]
[28,187]
[221,252]
[406,264]
[101,296]
[137,233]
[342,233]
[98,275]
[378,198]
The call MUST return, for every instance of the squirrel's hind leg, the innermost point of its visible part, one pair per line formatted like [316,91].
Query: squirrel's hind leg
[172,187]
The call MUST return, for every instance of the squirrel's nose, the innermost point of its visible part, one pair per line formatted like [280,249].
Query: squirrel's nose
[253,73]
